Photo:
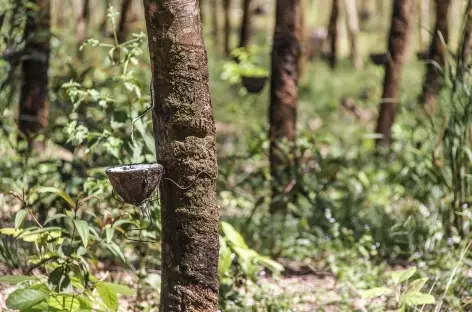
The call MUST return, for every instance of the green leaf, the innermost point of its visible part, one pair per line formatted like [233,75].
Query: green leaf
[109,233]
[20,217]
[119,289]
[64,302]
[233,236]
[108,296]
[376,292]
[83,229]
[58,192]
[417,285]
[417,298]
[15,279]
[270,264]
[10,231]
[403,275]
[22,299]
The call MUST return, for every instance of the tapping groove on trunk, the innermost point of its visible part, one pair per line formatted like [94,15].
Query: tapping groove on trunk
[437,56]
[245,24]
[122,27]
[286,53]
[397,48]
[184,129]
[33,110]
[333,33]
[227,37]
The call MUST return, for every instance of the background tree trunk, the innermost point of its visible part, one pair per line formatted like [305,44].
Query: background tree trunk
[83,15]
[352,21]
[104,21]
[245,24]
[333,33]
[33,110]
[59,13]
[437,53]
[227,36]
[286,53]
[122,27]
[184,129]
[397,48]
[425,23]
[466,43]
[214,24]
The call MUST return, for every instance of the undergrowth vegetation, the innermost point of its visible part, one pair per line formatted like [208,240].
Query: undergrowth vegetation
[393,230]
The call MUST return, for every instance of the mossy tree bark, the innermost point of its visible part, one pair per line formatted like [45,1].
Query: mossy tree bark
[227,31]
[122,26]
[184,129]
[400,32]
[33,110]
[437,56]
[286,54]
[245,24]
[333,33]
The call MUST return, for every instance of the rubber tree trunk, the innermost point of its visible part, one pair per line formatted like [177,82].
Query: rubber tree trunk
[465,43]
[245,24]
[286,54]
[59,13]
[184,129]
[227,37]
[333,33]
[33,108]
[214,24]
[437,56]
[104,20]
[83,15]
[122,27]
[400,32]
[424,24]
[352,21]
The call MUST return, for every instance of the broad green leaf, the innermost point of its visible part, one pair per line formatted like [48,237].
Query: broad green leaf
[403,275]
[109,233]
[418,298]
[15,279]
[225,259]
[64,302]
[272,265]
[58,192]
[119,289]
[417,285]
[22,299]
[108,296]
[9,231]
[20,217]
[233,236]
[83,229]
[376,292]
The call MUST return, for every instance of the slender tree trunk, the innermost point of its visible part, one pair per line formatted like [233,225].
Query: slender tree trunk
[184,129]
[352,20]
[333,33]
[214,21]
[286,53]
[82,21]
[466,43]
[425,24]
[437,56]
[227,37]
[59,13]
[122,27]
[245,24]
[104,22]
[33,110]
[397,48]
